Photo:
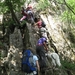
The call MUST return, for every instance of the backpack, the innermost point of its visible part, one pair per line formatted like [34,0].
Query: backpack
[27,62]
[43,24]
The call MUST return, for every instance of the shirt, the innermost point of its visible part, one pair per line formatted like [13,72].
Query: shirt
[39,23]
[41,41]
[35,58]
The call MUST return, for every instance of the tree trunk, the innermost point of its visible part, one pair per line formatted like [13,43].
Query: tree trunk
[10,6]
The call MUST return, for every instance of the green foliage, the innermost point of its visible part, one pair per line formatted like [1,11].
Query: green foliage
[23,22]
[71,3]
[59,1]
[10,7]
[42,4]
[69,14]
[7,4]
[68,65]
[3,8]
[9,22]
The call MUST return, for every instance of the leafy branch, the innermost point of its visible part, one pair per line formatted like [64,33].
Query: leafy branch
[69,7]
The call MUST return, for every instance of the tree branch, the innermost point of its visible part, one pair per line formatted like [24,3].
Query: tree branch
[69,7]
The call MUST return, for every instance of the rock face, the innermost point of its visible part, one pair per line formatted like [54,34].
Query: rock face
[57,43]
[59,40]
[16,45]
[16,39]
[13,59]
[14,52]
[33,37]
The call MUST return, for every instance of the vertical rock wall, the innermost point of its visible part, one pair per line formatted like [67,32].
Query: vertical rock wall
[15,52]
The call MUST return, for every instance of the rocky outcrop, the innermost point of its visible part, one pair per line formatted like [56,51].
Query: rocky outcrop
[57,43]
[33,37]
[12,63]
[58,37]
[13,59]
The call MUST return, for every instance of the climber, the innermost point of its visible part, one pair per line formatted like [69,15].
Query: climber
[23,12]
[39,22]
[32,66]
[43,32]
[27,14]
[41,49]
[41,46]
[29,11]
